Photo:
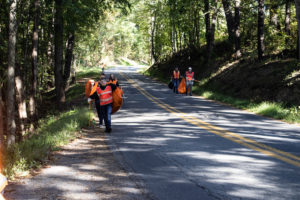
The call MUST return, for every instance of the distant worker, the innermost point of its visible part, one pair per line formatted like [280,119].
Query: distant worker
[94,96]
[106,99]
[175,78]
[113,80]
[189,75]
[103,66]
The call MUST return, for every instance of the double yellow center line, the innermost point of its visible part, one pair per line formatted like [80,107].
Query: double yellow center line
[252,144]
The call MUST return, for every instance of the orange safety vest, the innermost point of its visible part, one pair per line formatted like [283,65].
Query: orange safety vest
[176,75]
[189,76]
[112,82]
[105,96]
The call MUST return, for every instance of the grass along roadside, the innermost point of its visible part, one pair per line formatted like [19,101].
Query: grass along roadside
[289,114]
[55,130]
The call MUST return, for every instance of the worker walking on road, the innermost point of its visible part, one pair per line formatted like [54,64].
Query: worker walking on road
[104,93]
[189,75]
[175,78]
[113,80]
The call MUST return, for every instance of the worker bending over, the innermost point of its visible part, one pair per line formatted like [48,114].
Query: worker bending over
[189,76]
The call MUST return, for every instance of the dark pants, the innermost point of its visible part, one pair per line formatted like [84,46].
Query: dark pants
[176,84]
[98,108]
[189,85]
[106,113]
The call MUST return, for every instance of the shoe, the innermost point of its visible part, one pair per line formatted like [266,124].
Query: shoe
[108,130]
[100,126]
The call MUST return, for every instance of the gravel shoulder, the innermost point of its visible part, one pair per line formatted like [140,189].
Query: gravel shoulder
[84,169]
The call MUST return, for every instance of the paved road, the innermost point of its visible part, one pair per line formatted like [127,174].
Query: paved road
[179,147]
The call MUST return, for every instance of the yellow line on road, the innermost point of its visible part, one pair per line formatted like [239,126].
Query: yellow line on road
[252,144]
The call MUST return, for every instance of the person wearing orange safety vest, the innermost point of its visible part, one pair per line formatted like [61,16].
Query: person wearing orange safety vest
[104,93]
[113,80]
[94,96]
[189,77]
[175,78]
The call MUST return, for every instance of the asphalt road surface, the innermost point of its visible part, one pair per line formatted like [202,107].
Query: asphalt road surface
[178,147]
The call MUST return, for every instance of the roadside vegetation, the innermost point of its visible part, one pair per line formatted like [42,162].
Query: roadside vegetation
[207,88]
[55,129]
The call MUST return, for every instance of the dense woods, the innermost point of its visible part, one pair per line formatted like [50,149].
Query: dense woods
[38,38]
[42,40]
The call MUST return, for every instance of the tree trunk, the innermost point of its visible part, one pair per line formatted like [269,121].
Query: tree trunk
[274,18]
[297,4]
[68,59]
[34,55]
[1,123]
[229,20]
[210,26]
[260,29]
[10,111]
[21,101]
[213,22]
[153,27]
[207,25]
[237,31]
[58,52]
[287,21]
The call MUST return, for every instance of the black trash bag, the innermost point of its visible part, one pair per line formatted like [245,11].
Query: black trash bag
[171,85]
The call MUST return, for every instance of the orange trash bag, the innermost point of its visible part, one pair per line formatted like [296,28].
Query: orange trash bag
[182,87]
[117,100]
[94,89]
[88,87]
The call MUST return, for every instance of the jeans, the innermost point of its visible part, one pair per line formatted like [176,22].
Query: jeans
[189,85]
[106,113]
[176,84]
[98,108]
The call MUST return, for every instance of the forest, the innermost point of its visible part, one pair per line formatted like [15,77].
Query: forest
[44,42]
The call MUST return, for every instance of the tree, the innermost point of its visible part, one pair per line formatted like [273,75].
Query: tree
[210,23]
[34,57]
[287,21]
[1,121]
[229,20]
[297,3]
[10,102]
[237,29]
[58,52]
[69,56]
[260,29]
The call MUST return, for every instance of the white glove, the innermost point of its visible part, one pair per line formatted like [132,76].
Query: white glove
[89,100]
